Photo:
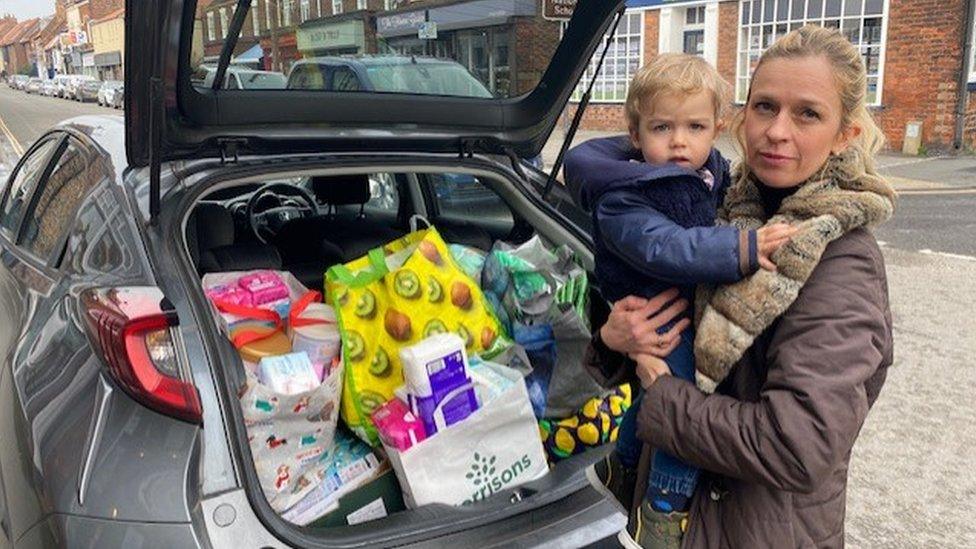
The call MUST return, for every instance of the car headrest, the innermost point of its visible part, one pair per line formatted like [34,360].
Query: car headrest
[341,190]
[214,226]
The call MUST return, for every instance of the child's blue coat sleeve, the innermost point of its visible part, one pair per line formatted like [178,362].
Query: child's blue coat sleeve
[658,247]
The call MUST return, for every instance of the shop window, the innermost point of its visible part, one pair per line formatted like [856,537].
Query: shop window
[211,29]
[306,9]
[336,6]
[624,57]
[860,21]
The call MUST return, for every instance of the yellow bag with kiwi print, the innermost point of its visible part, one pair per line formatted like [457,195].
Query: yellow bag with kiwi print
[396,296]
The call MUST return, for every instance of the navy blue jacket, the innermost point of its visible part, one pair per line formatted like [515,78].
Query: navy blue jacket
[654,225]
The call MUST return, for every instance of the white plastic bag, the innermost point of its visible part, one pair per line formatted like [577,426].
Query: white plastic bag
[288,435]
[496,447]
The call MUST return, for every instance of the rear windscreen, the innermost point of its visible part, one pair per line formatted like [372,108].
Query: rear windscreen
[473,48]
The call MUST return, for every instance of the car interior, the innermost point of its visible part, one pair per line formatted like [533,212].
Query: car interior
[308,224]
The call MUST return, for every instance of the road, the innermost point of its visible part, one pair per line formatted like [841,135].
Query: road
[911,477]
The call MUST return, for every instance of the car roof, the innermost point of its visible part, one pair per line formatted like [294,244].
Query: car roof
[372,61]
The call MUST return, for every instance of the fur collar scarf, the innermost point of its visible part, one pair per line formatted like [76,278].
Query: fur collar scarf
[835,201]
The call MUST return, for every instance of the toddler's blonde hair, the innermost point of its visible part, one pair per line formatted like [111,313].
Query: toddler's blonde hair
[680,74]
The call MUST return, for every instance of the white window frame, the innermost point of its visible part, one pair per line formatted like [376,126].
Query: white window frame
[256,17]
[286,13]
[752,39]
[360,4]
[224,23]
[699,25]
[609,86]
[388,5]
[305,8]
[336,7]
[211,26]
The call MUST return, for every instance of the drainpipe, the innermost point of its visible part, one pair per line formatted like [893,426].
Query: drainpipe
[967,59]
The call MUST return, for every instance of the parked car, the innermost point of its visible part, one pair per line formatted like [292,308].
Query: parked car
[108,91]
[239,78]
[34,85]
[88,90]
[385,73]
[118,99]
[73,85]
[122,424]
[49,88]
[17,81]
[62,81]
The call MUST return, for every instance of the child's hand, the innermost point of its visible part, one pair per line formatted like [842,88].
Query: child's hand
[769,239]
[649,368]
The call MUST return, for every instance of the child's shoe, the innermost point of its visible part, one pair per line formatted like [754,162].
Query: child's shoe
[650,529]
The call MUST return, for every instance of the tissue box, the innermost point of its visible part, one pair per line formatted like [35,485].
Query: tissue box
[436,372]
[264,287]
[397,426]
[288,374]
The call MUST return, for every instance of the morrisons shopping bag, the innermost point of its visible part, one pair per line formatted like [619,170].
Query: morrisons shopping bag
[495,448]
[396,296]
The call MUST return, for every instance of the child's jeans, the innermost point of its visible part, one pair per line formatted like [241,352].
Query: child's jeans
[667,472]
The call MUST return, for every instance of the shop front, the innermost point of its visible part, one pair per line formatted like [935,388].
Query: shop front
[348,34]
[109,65]
[479,34]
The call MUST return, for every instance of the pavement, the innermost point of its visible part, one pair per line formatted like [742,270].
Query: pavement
[908,174]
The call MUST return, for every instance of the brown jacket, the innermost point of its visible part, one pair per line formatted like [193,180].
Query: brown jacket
[775,441]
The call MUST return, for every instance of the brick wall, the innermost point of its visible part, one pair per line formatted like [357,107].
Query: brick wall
[651,34]
[728,37]
[923,60]
[535,41]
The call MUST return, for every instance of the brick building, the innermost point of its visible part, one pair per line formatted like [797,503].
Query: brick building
[15,47]
[913,52]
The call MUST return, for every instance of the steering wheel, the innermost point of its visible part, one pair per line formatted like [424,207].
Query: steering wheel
[267,222]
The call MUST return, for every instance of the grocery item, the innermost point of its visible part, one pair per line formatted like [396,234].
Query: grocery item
[288,374]
[436,374]
[315,331]
[345,466]
[264,287]
[245,323]
[595,424]
[276,343]
[398,427]
[495,448]
[394,297]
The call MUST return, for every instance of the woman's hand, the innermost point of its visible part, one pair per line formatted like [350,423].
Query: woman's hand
[649,368]
[632,326]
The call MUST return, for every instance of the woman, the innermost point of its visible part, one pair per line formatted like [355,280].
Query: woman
[805,349]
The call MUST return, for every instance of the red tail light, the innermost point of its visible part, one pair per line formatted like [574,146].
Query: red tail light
[133,330]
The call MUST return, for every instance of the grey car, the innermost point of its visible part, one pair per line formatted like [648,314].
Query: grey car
[121,424]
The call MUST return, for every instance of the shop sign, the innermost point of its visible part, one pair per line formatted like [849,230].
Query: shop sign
[399,22]
[77,37]
[348,34]
[558,10]
[428,31]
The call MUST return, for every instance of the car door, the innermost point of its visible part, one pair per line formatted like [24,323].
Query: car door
[45,408]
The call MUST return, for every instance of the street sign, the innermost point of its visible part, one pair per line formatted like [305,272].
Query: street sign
[558,10]
[427,31]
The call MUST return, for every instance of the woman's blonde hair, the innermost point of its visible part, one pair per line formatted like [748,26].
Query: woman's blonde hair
[851,79]
[676,73]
